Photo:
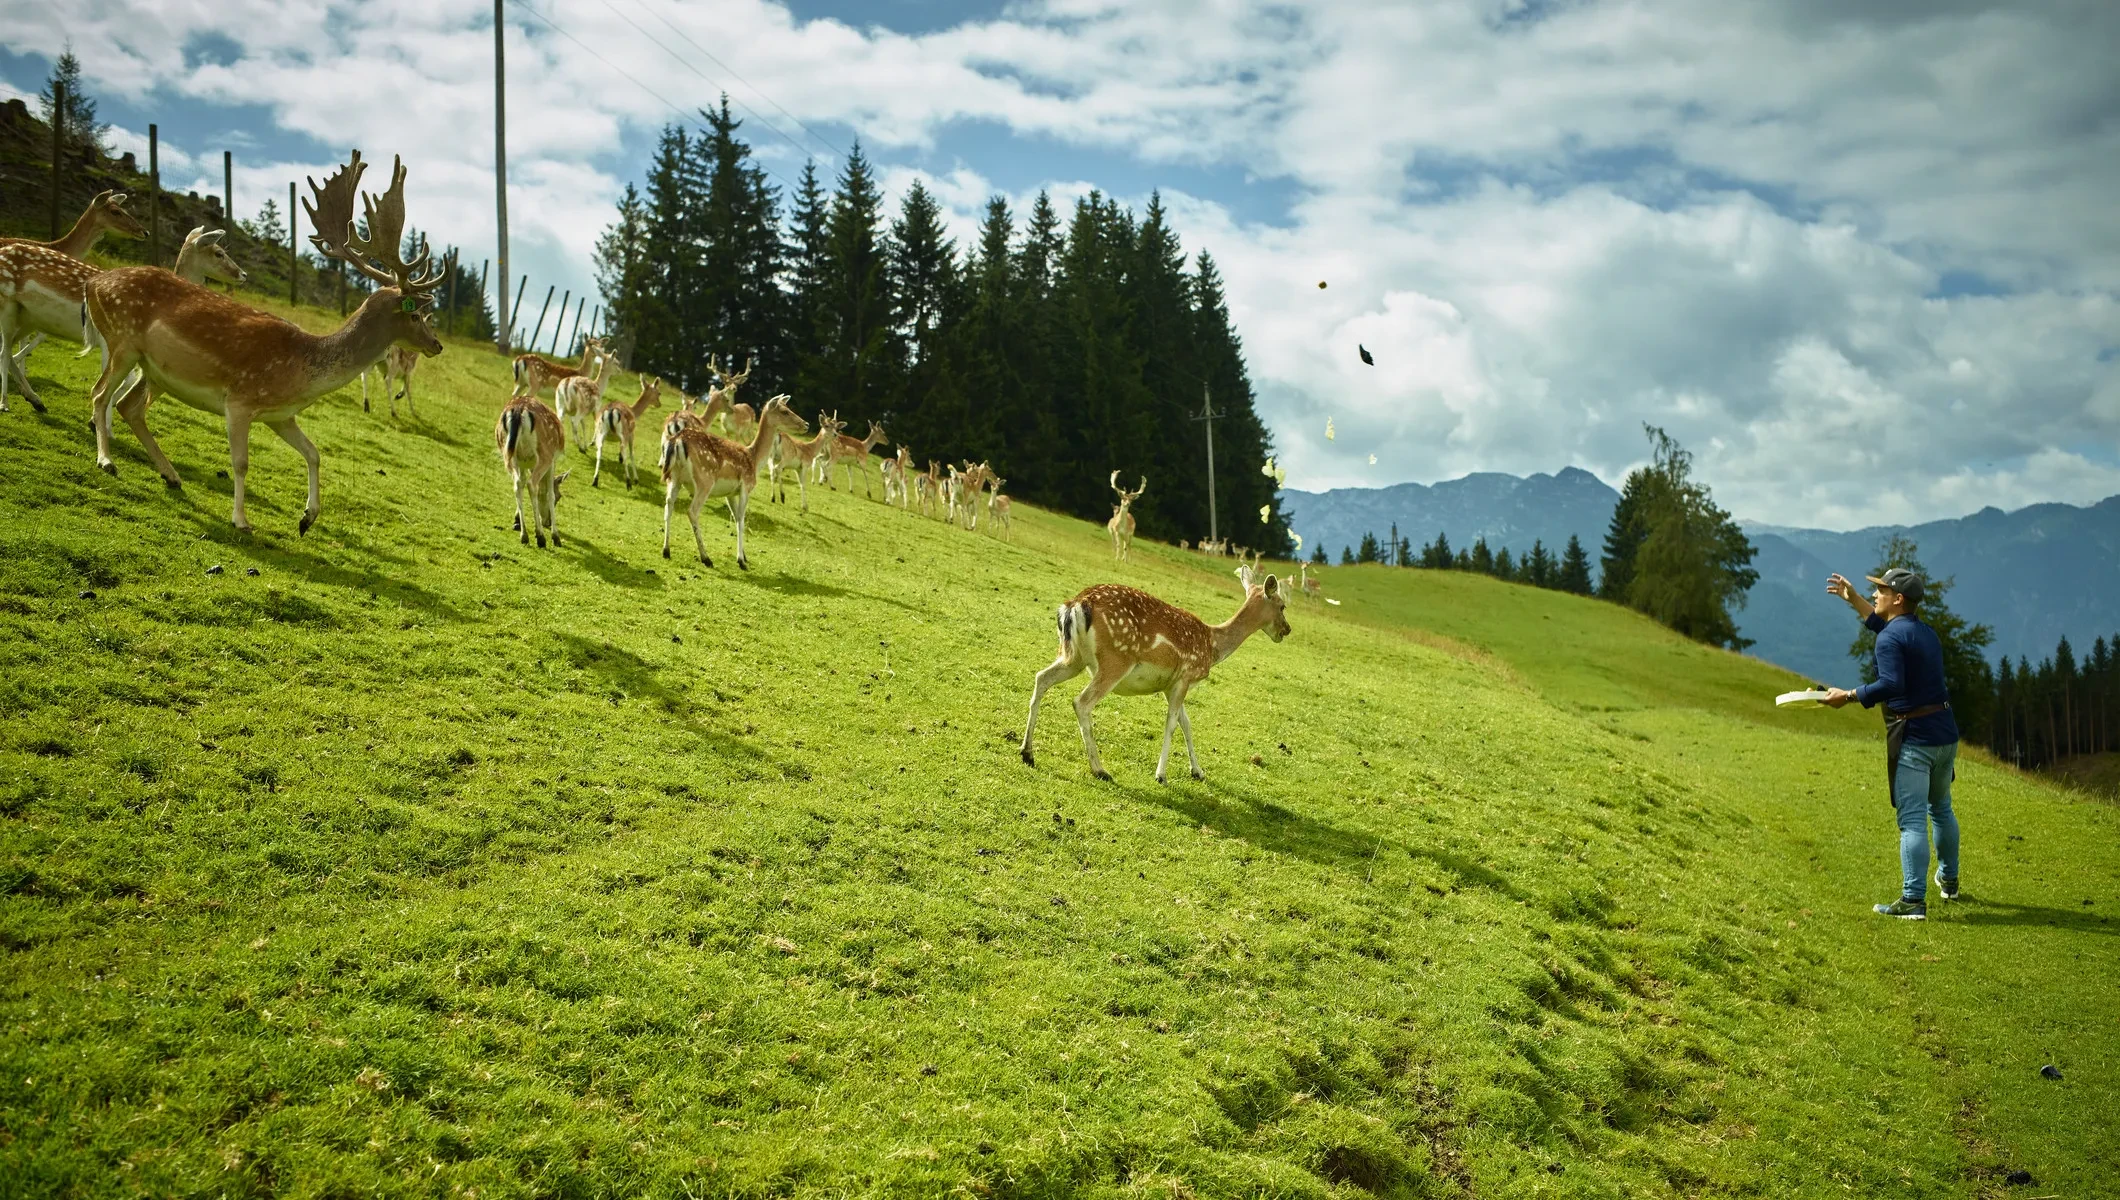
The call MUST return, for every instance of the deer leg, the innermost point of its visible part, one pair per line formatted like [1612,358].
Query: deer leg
[669,502]
[597,475]
[699,501]
[1062,669]
[133,407]
[238,460]
[549,502]
[409,410]
[115,367]
[1185,723]
[1100,684]
[364,391]
[292,434]
[16,364]
[739,508]
[802,482]
[522,526]
[1170,726]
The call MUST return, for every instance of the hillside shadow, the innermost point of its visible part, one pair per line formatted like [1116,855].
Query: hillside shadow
[422,427]
[636,676]
[2074,920]
[271,553]
[611,570]
[1231,812]
[790,585]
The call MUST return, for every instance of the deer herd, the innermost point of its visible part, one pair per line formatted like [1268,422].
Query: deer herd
[165,332]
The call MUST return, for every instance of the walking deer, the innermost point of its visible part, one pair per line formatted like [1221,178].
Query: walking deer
[716,466]
[619,420]
[396,368]
[534,373]
[530,438]
[247,366]
[803,454]
[577,400]
[853,451]
[1134,644]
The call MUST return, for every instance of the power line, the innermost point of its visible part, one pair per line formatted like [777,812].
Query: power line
[715,83]
[616,70]
[740,79]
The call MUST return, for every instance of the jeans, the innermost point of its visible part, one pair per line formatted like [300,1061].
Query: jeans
[1922,794]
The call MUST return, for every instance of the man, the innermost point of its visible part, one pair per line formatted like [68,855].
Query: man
[1921,736]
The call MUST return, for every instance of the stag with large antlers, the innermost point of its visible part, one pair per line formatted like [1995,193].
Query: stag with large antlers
[534,372]
[618,420]
[1121,526]
[248,366]
[721,399]
[42,291]
[1134,644]
[716,466]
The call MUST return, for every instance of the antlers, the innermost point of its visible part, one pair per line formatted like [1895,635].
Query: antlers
[1126,497]
[332,216]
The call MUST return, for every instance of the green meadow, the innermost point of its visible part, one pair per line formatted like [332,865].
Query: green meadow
[404,859]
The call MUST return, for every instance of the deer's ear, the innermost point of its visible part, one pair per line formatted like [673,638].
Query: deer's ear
[1272,584]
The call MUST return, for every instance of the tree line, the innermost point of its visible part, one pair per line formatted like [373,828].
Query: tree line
[1538,566]
[1057,348]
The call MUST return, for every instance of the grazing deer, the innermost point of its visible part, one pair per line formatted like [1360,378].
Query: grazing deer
[44,291]
[716,466]
[803,454]
[1121,526]
[104,214]
[534,373]
[577,400]
[530,437]
[619,420]
[398,365]
[1134,644]
[852,451]
[247,366]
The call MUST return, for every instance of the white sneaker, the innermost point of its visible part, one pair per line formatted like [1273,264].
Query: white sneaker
[1946,886]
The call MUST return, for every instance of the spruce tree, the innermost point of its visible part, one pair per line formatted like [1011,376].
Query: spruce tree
[1370,551]
[1346,557]
[83,132]
[927,290]
[1482,557]
[1241,439]
[1575,569]
[855,360]
[621,260]
[740,305]
[1504,566]
[1538,565]
[1437,555]
[1692,565]
[1624,536]
[1317,554]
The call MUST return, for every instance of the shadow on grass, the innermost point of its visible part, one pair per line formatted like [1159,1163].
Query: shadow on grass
[790,585]
[611,570]
[422,427]
[269,551]
[1991,912]
[636,676]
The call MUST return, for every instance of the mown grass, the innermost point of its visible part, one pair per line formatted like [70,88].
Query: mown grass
[422,862]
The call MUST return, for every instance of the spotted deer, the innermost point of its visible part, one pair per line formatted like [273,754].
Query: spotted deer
[997,508]
[578,399]
[396,369]
[1306,582]
[530,437]
[803,454]
[715,466]
[248,366]
[741,420]
[897,474]
[619,420]
[928,488]
[534,373]
[45,292]
[104,214]
[1134,644]
[1121,526]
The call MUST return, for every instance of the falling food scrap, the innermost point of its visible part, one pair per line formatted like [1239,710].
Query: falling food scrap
[1331,601]
[1265,513]
[1321,285]
[1299,540]
[1328,429]
[1267,470]
[1364,351]
[1372,460]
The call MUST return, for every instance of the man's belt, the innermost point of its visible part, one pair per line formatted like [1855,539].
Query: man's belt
[1926,710]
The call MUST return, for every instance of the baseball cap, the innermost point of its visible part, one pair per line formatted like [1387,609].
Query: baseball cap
[1900,580]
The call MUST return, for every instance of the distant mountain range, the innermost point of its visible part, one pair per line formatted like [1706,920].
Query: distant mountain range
[2033,575]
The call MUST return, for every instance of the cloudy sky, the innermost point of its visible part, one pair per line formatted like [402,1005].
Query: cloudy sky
[1861,256]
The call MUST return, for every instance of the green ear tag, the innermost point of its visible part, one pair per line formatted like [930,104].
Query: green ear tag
[408,305]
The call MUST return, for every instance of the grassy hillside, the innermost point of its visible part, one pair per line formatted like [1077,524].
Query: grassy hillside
[421,862]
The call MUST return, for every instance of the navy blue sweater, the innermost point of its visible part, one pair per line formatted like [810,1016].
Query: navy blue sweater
[1910,676]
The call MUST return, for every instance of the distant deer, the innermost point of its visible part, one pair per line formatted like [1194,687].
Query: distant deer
[997,507]
[1134,644]
[1306,581]
[898,477]
[530,438]
[802,454]
[619,420]
[715,466]
[1121,526]
[855,452]
[399,364]
[534,373]
[721,398]
[578,399]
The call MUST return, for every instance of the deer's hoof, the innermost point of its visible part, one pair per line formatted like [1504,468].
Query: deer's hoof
[742,565]
[34,403]
[308,519]
[108,468]
[1160,779]
[704,561]
[173,483]
[540,541]
[1028,761]
[555,538]
[1200,775]
[1103,774]
[666,552]
[594,482]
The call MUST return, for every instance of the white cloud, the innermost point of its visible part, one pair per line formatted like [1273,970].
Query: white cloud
[1549,225]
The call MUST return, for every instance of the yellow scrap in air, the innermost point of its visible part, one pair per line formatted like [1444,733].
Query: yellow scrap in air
[1328,429]
[1265,513]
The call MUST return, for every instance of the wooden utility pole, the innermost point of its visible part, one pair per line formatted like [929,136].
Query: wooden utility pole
[506,324]
[541,311]
[58,124]
[559,321]
[154,197]
[1209,415]
[228,189]
[294,257]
